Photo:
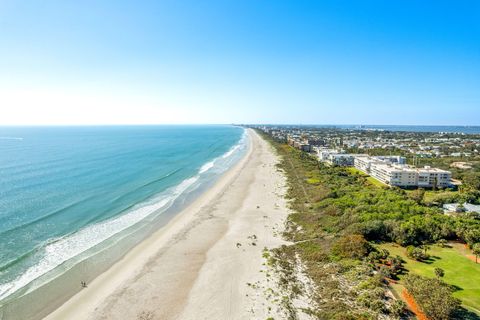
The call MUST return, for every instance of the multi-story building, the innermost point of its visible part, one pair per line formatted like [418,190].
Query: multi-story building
[430,177]
[336,157]
[341,159]
[323,154]
[393,175]
[397,173]
[364,163]
[392,159]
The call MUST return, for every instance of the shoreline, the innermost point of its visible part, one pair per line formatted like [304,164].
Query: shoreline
[180,257]
[159,182]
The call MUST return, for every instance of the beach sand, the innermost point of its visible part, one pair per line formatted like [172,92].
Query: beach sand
[198,265]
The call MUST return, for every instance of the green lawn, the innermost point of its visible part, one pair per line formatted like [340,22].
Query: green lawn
[375,182]
[460,271]
[371,180]
[353,170]
[442,196]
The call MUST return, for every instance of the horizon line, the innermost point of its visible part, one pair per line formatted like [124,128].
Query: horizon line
[230,124]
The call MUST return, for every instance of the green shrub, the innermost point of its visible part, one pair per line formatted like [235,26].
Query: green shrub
[417,253]
[352,247]
[433,296]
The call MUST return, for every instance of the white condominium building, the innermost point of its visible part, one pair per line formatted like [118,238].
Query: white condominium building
[336,157]
[394,175]
[392,159]
[402,175]
[341,159]
[429,177]
[364,163]
[323,154]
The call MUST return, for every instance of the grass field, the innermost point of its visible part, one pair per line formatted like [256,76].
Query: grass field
[460,271]
[370,180]
[353,170]
[434,196]
[375,182]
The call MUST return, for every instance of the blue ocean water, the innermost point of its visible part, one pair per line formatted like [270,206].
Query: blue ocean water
[66,190]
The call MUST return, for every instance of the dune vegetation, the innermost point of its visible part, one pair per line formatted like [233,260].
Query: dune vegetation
[338,220]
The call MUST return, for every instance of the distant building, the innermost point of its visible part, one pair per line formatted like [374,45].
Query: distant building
[392,159]
[316,142]
[324,154]
[456,207]
[299,143]
[305,147]
[341,159]
[336,157]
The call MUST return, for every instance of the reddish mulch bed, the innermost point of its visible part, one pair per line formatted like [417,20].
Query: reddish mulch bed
[412,304]
[472,257]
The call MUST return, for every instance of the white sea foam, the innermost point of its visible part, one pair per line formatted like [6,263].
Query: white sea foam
[240,143]
[66,248]
[207,166]
[231,151]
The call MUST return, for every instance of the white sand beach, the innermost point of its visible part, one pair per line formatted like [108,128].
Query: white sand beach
[199,264]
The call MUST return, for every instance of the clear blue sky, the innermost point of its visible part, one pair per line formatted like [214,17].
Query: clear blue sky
[245,61]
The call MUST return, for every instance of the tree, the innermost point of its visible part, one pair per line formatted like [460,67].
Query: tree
[425,248]
[439,272]
[472,236]
[352,246]
[433,296]
[442,243]
[396,265]
[398,309]
[374,257]
[417,195]
[385,272]
[416,253]
[476,251]
[384,253]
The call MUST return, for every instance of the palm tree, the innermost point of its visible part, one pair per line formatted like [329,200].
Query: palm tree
[425,247]
[442,243]
[439,273]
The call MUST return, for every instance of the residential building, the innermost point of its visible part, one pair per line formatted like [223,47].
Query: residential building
[341,159]
[392,159]
[402,175]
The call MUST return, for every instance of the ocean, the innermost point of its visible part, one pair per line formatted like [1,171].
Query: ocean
[73,200]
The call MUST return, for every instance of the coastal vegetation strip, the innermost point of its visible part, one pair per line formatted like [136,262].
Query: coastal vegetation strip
[337,219]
